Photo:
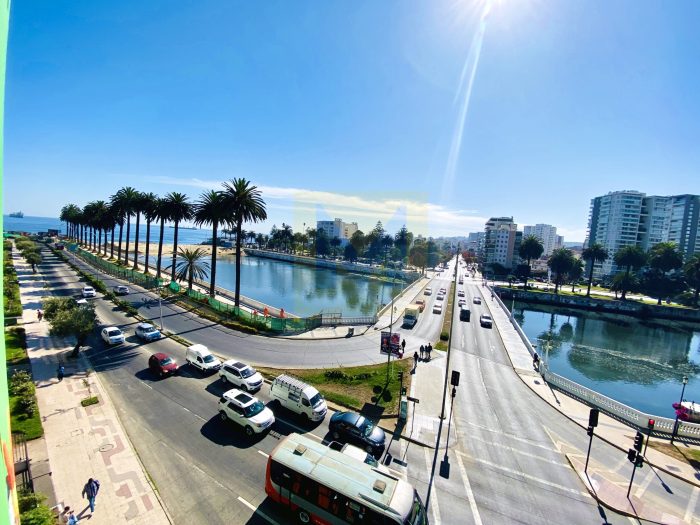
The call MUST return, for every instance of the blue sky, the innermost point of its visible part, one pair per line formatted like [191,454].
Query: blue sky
[349,109]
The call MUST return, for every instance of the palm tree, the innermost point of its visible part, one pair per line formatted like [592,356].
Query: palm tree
[179,209]
[530,248]
[127,198]
[630,257]
[691,269]
[150,214]
[560,262]
[139,206]
[69,215]
[575,272]
[593,254]
[161,212]
[252,236]
[191,265]
[117,220]
[119,212]
[211,208]
[100,216]
[89,220]
[246,204]
[665,257]
[108,221]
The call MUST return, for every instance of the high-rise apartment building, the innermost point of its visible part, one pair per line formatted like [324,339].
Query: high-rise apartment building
[631,218]
[547,234]
[501,242]
[337,228]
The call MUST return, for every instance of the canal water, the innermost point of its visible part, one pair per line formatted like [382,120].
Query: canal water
[639,363]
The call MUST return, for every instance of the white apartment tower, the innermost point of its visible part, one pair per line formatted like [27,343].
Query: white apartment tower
[501,242]
[337,228]
[547,234]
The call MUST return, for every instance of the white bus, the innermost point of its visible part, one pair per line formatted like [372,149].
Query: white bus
[326,487]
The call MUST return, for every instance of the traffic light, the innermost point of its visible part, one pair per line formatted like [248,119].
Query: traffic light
[400,377]
[593,418]
[632,455]
[589,431]
[650,425]
[640,461]
[454,380]
[638,441]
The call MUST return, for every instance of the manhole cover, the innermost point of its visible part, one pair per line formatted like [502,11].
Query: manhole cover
[105,448]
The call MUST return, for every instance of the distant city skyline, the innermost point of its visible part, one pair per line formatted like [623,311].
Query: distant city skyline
[437,115]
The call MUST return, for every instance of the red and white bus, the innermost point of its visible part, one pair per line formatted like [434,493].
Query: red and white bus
[326,487]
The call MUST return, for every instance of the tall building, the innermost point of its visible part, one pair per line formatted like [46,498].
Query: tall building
[547,234]
[501,242]
[337,228]
[631,218]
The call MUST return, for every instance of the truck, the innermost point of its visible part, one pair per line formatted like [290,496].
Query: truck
[410,316]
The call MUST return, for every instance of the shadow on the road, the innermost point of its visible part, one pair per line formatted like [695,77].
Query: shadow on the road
[228,434]
[108,358]
[267,511]
[190,372]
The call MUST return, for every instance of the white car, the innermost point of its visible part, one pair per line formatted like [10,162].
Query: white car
[358,454]
[428,291]
[477,300]
[121,290]
[89,291]
[112,335]
[246,410]
[440,297]
[437,309]
[147,332]
[240,375]
[443,291]
[460,293]
[461,302]
[486,321]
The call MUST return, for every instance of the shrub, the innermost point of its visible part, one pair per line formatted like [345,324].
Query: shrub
[21,382]
[444,335]
[33,510]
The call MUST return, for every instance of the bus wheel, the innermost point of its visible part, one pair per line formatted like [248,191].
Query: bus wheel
[304,516]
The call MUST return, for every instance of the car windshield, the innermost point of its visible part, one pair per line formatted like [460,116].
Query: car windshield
[247,372]
[166,361]
[316,400]
[208,358]
[150,329]
[254,409]
[113,333]
[366,428]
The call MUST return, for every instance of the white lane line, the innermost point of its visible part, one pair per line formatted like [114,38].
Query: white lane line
[434,500]
[521,452]
[257,511]
[644,485]
[692,501]
[470,494]
[508,435]
[264,454]
[524,475]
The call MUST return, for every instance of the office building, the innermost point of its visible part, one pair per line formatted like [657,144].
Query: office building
[337,228]
[547,234]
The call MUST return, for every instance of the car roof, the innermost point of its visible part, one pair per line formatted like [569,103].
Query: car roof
[160,355]
[239,397]
[145,325]
[111,328]
[351,418]
[86,287]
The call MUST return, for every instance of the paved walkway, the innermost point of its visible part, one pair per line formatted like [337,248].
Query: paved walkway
[83,442]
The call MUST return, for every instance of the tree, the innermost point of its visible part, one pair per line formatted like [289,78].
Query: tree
[247,205]
[323,245]
[33,258]
[417,256]
[560,262]
[593,254]
[575,273]
[192,265]
[387,243]
[403,240]
[335,244]
[150,214]
[624,282]
[140,204]
[68,319]
[692,276]
[358,242]
[161,212]
[117,205]
[663,257]
[629,257]
[211,208]
[179,209]
[70,214]
[350,254]
[530,248]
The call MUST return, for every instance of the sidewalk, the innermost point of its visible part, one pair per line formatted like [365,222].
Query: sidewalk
[83,442]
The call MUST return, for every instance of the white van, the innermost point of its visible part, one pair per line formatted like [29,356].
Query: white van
[297,396]
[200,357]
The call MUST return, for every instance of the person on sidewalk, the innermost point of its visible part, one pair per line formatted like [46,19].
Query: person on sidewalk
[90,490]
[430,349]
[68,516]
[61,372]
[39,314]
[403,346]
[422,351]
[415,360]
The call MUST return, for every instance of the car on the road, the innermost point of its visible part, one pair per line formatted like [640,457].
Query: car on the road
[246,410]
[460,293]
[477,300]
[461,302]
[112,335]
[89,291]
[486,321]
[428,291]
[147,332]
[437,308]
[240,375]
[120,289]
[200,357]
[440,297]
[162,364]
[354,428]
[358,454]
[443,291]
[420,303]
[60,246]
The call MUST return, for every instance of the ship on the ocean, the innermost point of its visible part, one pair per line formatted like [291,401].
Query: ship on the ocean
[17,215]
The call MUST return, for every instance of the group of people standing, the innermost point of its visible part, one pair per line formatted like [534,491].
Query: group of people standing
[425,351]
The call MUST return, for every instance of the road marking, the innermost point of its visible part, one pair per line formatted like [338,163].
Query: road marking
[264,454]
[524,475]
[521,452]
[470,494]
[692,501]
[257,511]
[434,499]
[645,484]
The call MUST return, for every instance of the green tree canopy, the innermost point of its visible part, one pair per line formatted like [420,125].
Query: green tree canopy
[70,320]
[560,263]
[593,254]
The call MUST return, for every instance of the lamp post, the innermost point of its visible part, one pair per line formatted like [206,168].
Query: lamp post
[675,425]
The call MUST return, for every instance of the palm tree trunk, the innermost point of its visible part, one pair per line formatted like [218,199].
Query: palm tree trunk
[99,242]
[119,251]
[237,296]
[160,248]
[624,285]
[172,276]
[190,278]
[111,250]
[590,279]
[148,243]
[212,282]
[105,243]
[128,229]
[136,243]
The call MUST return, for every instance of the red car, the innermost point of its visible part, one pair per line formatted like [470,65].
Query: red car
[162,364]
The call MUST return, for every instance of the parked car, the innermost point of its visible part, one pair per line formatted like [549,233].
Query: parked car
[420,303]
[240,375]
[89,291]
[162,364]
[112,335]
[486,321]
[246,410]
[358,454]
[299,397]
[147,332]
[461,302]
[200,357]
[442,291]
[437,308]
[460,293]
[477,300]
[354,428]
[440,297]
[120,289]
[428,291]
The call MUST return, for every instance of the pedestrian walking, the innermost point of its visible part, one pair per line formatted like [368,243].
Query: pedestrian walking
[90,490]
[422,352]
[39,314]
[403,345]
[415,359]
[60,372]
[430,349]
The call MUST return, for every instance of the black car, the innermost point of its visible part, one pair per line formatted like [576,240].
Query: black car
[352,427]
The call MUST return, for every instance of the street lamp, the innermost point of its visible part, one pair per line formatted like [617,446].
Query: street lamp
[675,425]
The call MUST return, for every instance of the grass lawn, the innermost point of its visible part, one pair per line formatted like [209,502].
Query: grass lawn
[353,387]
[14,346]
[679,452]
[21,423]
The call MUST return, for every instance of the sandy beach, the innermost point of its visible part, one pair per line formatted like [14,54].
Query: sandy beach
[168,249]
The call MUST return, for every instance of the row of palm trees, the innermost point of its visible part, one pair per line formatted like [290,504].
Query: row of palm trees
[236,203]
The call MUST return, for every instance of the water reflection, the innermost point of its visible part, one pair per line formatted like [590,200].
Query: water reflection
[637,362]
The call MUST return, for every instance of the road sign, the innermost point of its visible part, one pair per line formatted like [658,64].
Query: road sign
[414,399]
